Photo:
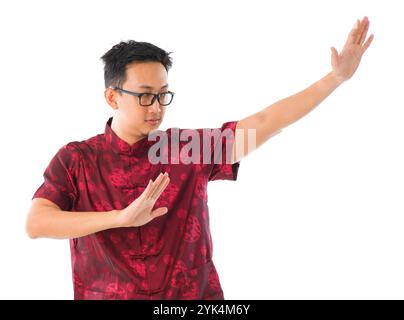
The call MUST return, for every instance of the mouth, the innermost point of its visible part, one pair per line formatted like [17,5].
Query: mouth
[153,122]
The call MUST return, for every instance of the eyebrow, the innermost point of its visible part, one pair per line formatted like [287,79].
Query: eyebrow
[144,86]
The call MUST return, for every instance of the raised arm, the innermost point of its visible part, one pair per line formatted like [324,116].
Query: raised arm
[282,113]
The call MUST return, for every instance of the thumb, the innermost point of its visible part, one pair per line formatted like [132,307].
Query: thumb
[158,212]
[334,56]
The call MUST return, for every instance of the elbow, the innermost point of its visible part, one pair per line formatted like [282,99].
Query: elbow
[31,229]
[32,236]
[32,226]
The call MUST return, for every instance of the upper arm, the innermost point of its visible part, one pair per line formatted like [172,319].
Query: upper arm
[223,166]
[39,203]
[59,185]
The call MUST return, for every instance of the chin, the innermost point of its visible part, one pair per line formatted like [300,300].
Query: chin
[147,130]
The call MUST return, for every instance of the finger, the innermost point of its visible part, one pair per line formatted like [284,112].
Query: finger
[358,34]
[160,182]
[362,27]
[353,34]
[142,197]
[147,190]
[364,33]
[334,57]
[161,188]
[367,43]
[158,212]
[154,185]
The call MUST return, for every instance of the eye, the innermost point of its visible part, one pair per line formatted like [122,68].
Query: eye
[146,98]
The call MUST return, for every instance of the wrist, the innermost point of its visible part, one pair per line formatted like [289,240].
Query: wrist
[335,79]
[116,218]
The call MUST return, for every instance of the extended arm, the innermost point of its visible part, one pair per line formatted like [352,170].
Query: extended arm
[282,113]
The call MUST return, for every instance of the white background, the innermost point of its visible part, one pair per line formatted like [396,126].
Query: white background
[316,212]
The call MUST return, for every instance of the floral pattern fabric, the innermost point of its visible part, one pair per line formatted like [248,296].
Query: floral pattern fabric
[168,258]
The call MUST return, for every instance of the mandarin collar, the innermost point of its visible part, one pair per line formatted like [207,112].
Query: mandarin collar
[121,146]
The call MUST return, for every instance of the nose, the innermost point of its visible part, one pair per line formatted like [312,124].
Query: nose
[155,107]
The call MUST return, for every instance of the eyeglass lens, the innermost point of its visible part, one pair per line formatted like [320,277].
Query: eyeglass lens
[165,98]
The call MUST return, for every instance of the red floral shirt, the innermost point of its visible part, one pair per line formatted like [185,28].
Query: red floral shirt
[168,258]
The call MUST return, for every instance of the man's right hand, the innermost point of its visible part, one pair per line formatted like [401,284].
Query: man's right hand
[140,211]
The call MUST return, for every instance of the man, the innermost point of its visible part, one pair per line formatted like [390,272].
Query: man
[139,229]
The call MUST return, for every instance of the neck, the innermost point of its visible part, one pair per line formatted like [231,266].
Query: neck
[125,135]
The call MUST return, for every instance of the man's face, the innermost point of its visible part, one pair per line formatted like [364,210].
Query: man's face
[141,77]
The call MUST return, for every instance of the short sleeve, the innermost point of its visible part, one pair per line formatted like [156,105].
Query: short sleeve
[222,145]
[58,185]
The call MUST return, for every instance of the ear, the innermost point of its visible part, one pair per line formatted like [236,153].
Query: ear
[110,97]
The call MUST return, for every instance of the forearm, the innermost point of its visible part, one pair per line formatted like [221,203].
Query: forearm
[288,110]
[54,223]
[281,114]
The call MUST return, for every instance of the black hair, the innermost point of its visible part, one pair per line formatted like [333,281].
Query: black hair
[123,53]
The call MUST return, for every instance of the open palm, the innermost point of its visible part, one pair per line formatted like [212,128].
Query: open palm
[345,64]
[140,211]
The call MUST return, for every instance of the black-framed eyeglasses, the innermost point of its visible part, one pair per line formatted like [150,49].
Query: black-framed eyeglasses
[147,98]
